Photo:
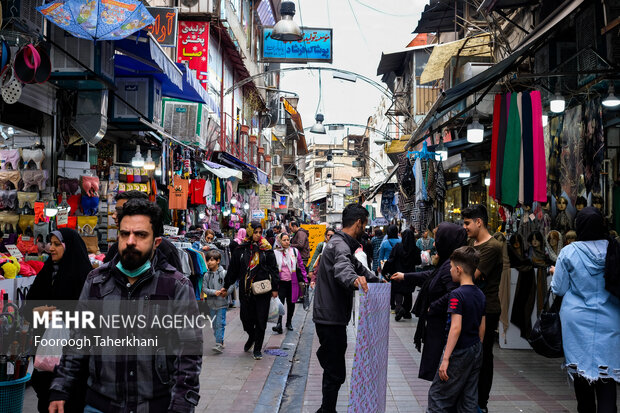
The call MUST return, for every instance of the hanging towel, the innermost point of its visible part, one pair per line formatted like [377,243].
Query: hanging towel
[501,144]
[538,140]
[521,171]
[528,149]
[512,155]
[494,137]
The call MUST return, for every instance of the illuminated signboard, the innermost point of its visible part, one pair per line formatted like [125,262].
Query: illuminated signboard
[316,46]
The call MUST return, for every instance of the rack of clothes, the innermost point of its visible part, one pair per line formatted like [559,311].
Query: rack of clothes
[421,184]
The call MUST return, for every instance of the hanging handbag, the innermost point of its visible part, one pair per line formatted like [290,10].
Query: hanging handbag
[258,287]
[546,335]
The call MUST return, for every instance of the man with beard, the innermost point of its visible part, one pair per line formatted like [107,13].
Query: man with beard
[125,382]
[165,249]
[339,275]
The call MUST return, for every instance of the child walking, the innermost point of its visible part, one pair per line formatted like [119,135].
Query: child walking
[213,287]
[456,382]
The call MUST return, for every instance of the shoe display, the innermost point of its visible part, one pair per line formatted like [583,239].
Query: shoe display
[258,355]
[218,348]
[248,344]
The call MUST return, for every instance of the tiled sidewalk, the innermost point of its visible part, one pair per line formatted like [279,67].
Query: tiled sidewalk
[523,381]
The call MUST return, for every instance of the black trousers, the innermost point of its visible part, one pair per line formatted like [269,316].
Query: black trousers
[485,380]
[285,293]
[41,382]
[598,396]
[402,298]
[331,355]
[254,312]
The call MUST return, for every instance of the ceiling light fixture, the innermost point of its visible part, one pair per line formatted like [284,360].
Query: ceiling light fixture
[464,171]
[611,101]
[441,152]
[286,29]
[557,104]
[158,169]
[487,180]
[330,162]
[475,131]
[137,161]
[545,120]
[149,164]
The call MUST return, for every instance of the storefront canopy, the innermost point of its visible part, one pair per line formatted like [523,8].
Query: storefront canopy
[222,171]
[176,79]
[144,49]
[227,159]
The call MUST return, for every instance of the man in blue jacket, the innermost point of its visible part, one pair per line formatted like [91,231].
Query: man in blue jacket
[339,275]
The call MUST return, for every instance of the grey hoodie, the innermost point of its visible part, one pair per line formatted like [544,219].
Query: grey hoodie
[213,281]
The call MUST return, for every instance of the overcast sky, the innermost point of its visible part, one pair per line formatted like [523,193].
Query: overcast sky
[362,30]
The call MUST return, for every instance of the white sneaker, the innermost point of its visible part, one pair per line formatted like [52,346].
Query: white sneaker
[218,348]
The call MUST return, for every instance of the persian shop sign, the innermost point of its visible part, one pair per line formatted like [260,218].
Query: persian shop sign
[164,28]
[316,46]
[193,47]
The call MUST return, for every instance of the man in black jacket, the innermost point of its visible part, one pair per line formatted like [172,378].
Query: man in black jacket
[131,381]
[165,249]
[339,275]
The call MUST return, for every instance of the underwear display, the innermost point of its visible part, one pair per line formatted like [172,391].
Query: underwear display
[90,205]
[8,221]
[10,176]
[42,229]
[25,222]
[7,198]
[9,157]
[90,185]
[34,155]
[26,198]
[70,186]
[34,178]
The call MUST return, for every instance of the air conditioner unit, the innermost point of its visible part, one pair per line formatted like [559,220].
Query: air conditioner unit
[96,56]
[276,160]
[198,6]
[25,12]
[185,120]
[143,93]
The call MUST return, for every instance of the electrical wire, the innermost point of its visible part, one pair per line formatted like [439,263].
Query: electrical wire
[368,6]
[358,24]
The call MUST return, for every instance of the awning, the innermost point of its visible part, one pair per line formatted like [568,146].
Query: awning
[298,125]
[442,53]
[145,49]
[227,159]
[393,61]
[221,171]
[490,5]
[455,95]
[438,17]
[190,89]
[398,146]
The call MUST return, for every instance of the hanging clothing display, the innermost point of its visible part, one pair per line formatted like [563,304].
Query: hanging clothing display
[196,190]
[593,145]
[571,169]
[518,168]
[178,193]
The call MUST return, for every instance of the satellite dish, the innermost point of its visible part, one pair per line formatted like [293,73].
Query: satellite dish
[189,3]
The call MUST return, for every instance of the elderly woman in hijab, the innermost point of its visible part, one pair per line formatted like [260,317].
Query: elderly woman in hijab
[60,281]
[404,257]
[431,306]
[590,314]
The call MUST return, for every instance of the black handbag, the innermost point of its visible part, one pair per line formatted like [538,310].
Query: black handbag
[546,335]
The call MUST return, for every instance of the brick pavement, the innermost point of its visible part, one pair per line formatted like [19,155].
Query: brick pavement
[523,380]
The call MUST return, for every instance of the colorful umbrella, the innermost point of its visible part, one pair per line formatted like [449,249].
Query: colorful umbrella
[98,19]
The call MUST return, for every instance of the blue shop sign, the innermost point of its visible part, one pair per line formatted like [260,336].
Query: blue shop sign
[316,46]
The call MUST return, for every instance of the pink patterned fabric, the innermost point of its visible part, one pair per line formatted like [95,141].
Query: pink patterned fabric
[540,166]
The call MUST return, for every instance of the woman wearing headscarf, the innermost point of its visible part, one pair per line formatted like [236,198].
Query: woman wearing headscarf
[431,306]
[404,257]
[590,314]
[289,260]
[388,244]
[61,279]
[254,261]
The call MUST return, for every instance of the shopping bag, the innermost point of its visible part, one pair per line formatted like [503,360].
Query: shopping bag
[425,256]
[48,357]
[276,309]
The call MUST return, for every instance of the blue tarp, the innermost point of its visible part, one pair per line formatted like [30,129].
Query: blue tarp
[190,91]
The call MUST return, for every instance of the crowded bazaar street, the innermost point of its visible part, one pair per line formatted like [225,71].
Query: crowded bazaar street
[315,206]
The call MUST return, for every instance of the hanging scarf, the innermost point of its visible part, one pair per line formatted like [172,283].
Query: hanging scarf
[286,257]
